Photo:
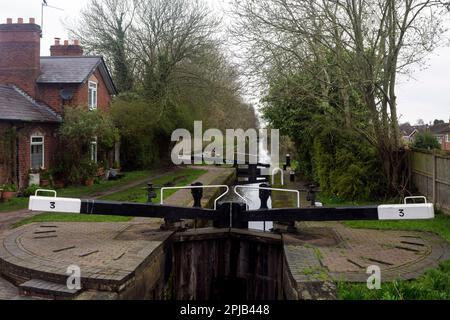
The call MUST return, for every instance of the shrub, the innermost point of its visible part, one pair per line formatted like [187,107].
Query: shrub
[31,190]
[426,140]
[77,132]
[11,187]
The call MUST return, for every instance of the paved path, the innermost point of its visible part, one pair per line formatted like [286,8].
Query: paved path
[214,176]
[8,219]
[89,238]
[183,198]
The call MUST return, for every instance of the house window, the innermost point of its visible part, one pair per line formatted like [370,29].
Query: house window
[37,152]
[92,95]
[448,137]
[94,150]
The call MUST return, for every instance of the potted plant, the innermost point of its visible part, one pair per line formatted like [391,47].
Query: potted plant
[90,170]
[45,178]
[58,176]
[9,191]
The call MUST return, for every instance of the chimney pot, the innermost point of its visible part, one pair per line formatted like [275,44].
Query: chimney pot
[66,42]
[9,21]
[57,41]
[32,21]
[20,20]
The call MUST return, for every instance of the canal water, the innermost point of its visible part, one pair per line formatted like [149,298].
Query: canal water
[252,196]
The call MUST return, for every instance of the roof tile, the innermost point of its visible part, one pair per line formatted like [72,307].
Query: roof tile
[17,106]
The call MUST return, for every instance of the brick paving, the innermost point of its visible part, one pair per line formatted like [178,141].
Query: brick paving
[345,253]
[106,252]
[401,255]
[93,247]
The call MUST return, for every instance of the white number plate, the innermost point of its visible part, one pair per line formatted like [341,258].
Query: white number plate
[47,204]
[422,211]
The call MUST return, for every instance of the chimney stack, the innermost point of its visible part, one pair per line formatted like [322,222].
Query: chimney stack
[20,54]
[68,49]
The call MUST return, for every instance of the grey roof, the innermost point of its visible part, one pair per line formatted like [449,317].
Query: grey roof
[440,128]
[15,105]
[72,70]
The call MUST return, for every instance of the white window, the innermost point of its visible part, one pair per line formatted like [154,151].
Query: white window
[448,137]
[92,95]
[94,150]
[37,152]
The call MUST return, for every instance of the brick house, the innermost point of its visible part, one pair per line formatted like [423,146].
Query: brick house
[442,134]
[33,92]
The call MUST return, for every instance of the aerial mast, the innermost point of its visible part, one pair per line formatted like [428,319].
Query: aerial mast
[45,4]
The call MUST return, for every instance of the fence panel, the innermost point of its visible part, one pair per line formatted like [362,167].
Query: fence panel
[431,176]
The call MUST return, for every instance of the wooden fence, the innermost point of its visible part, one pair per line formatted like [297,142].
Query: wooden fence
[430,174]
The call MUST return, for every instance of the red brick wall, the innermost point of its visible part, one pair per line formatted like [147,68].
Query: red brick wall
[50,94]
[24,131]
[103,96]
[20,55]
[50,142]
[445,144]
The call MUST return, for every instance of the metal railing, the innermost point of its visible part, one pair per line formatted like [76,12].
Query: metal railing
[263,188]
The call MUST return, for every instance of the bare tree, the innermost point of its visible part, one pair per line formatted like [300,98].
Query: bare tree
[104,28]
[366,43]
[168,34]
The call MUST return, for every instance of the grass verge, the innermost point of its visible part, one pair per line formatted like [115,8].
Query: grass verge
[137,194]
[182,177]
[81,191]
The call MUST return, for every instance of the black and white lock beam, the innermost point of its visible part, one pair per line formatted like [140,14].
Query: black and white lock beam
[127,209]
[405,211]
[423,211]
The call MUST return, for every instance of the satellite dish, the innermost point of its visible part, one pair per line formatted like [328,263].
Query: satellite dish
[66,94]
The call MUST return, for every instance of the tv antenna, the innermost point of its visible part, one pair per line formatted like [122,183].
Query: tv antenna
[45,4]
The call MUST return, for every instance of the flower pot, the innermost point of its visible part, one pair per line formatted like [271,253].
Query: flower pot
[89,182]
[7,195]
[45,183]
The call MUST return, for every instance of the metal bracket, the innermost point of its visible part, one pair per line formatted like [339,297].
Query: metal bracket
[415,198]
[36,194]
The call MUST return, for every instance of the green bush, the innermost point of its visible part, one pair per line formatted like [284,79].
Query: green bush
[10,187]
[77,132]
[426,140]
[31,190]
[347,167]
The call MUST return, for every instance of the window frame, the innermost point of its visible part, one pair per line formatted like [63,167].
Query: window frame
[448,137]
[92,85]
[94,146]
[37,144]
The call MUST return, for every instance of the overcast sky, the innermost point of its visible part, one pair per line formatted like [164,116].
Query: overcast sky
[426,96]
